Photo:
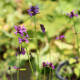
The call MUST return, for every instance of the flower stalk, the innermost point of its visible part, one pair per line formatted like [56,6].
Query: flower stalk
[76,36]
[36,43]
[30,64]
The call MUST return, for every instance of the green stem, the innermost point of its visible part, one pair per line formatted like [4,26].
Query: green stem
[30,65]
[76,39]
[17,74]
[44,73]
[11,75]
[49,55]
[18,65]
[36,44]
[76,36]
[50,74]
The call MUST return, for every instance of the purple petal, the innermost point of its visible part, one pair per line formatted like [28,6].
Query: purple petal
[30,14]
[57,38]
[22,34]
[53,67]
[76,15]
[15,33]
[16,54]
[27,41]
[43,31]
[73,10]
[15,67]
[62,36]
[48,63]
[68,14]
[16,27]
[27,35]
[20,40]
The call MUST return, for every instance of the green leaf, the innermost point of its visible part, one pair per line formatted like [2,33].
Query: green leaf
[72,60]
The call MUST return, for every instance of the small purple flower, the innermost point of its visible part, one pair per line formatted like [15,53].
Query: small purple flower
[23,40]
[20,30]
[16,68]
[22,51]
[51,65]
[33,10]
[72,14]
[60,37]
[42,28]
[44,64]
[48,64]
[24,29]
[22,69]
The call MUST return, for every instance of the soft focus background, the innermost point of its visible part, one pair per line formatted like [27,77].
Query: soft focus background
[53,16]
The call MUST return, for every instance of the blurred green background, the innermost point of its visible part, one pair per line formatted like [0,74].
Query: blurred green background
[53,16]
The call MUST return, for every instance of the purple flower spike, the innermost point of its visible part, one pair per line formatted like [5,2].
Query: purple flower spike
[22,51]
[44,64]
[33,10]
[60,37]
[42,28]
[72,14]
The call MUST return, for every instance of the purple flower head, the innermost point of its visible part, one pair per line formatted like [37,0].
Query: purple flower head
[44,64]
[20,30]
[42,28]
[60,37]
[33,10]
[72,14]
[22,51]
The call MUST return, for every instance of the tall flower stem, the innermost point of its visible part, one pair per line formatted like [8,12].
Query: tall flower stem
[50,74]
[11,75]
[76,40]
[49,54]
[30,64]
[18,65]
[36,43]
[76,37]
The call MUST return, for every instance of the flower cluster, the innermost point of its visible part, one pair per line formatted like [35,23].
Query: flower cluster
[72,14]
[33,10]
[60,37]
[48,64]
[20,51]
[42,28]
[23,34]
